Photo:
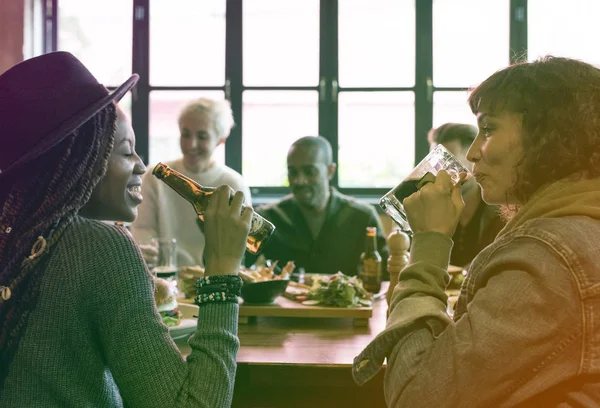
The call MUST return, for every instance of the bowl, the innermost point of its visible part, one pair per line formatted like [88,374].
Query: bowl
[263,292]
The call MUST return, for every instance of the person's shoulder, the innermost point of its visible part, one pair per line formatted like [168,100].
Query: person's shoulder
[568,228]
[570,238]
[354,204]
[284,203]
[230,176]
[101,240]
[176,164]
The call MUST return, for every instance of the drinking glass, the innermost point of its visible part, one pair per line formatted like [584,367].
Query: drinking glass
[438,158]
[166,267]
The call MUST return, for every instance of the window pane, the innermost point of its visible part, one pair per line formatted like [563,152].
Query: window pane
[452,107]
[462,55]
[566,29]
[187,44]
[165,107]
[376,138]
[273,120]
[281,42]
[99,34]
[376,43]
[125,104]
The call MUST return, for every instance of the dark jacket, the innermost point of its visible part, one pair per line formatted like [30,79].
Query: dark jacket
[339,244]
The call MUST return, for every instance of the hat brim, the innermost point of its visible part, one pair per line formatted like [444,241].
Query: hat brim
[68,126]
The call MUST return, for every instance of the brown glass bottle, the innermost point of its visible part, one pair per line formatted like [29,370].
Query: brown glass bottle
[199,196]
[370,263]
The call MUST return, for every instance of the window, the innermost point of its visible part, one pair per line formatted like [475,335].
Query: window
[376,138]
[280,101]
[564,29]
[165,107]
[100,35]
[470,42]
[372,76]
[272,121]
[187,61]
[281,43]
[376,43]
[452,106]
[376,102]
[187,46]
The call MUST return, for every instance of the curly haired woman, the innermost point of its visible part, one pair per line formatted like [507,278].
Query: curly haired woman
[526,330]
[78,322]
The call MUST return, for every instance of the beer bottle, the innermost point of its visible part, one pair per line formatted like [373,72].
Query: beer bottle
[370,263]
[199,196]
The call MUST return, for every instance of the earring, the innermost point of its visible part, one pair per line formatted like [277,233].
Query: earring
[7,230]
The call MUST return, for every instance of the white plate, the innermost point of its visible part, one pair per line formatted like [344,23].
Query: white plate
[188,324]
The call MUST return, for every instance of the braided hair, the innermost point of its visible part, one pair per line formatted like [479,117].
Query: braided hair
[42,200]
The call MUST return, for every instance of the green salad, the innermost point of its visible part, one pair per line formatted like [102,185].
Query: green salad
[338,290]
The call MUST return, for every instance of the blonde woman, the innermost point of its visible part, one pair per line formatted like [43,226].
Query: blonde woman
[204,124]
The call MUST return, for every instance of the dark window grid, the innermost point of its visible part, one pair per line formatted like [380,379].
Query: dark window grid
[328,71]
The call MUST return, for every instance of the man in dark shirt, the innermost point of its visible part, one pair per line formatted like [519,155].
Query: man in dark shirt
[480,222]
[320,229]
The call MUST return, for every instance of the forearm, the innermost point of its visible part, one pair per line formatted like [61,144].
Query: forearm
[212,362]
[418,297]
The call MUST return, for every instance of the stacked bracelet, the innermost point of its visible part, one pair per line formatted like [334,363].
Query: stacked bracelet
[218,289]
[217,297]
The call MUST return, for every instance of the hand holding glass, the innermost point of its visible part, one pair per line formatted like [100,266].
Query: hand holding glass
[438,158]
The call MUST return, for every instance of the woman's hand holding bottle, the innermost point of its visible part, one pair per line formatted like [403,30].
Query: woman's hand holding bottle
[226,229]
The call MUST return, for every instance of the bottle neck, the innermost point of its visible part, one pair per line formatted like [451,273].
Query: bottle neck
[371,245]
[185,186]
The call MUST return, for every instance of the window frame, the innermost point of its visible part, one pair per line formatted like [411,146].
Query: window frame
[328,74]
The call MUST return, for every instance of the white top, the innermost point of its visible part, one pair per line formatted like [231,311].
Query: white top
[164,213]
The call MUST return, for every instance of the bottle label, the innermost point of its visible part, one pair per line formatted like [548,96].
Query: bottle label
[256,224]
[370,274]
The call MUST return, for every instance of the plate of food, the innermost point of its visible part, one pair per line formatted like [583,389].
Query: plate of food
[179,318]
[336,290]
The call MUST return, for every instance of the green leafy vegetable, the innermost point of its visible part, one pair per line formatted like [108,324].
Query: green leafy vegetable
[338,290]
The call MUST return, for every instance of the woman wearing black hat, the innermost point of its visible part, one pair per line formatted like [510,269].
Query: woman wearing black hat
[78,323]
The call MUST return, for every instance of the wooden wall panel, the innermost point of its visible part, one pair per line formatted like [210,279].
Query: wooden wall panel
[11,33]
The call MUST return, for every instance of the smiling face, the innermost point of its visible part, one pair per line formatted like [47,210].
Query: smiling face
[495,154]
[199,138]
[309,175]
[117,195]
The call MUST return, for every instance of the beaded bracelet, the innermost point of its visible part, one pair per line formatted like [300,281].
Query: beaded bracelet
[216,297]
[218,289]
[220,283]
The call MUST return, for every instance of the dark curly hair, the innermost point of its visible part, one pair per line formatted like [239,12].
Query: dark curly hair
[41,200]
[559,100]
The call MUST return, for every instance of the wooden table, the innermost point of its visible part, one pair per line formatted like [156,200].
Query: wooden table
[304,362]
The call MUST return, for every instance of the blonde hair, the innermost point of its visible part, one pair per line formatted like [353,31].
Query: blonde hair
[219,111]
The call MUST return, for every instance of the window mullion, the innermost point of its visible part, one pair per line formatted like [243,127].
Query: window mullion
[234,80]
[328,73]
[50,28]
[140,101]
[423,77]
[518,31]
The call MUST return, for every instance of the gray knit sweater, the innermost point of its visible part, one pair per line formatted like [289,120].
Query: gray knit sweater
[96,339]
